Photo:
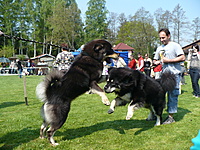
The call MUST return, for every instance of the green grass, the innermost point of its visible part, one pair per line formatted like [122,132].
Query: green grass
[88,126]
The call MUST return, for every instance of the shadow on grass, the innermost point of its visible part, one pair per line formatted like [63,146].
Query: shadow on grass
[14,139]
[181,113]
[118,125]
[9,104]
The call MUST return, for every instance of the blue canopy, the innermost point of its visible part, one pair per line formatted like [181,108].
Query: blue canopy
[75,53]
[124,55]
[4,60]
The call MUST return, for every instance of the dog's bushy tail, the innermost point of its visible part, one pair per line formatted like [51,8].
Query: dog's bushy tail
[50,82]
[168,81]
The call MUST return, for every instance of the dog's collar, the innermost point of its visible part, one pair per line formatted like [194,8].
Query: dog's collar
[84,53]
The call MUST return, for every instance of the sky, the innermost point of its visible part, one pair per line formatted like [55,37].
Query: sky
[129,7]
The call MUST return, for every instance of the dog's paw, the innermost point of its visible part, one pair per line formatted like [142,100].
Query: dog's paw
[55,144]
[128,117]
[42,137]
[157,124]
[110,111]
[106,102]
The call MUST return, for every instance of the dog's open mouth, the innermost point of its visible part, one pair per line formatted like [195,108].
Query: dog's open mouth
[108,57]
[114,55]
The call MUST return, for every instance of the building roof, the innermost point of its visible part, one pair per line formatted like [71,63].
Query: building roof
[187,47]
[122,46]
[43,55]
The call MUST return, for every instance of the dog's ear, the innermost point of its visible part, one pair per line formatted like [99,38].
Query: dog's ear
[98,47]
[129,80]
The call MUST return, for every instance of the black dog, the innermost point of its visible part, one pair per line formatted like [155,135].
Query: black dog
[58,90]
[140,90]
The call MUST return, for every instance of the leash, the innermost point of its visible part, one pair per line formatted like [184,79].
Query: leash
[27,40]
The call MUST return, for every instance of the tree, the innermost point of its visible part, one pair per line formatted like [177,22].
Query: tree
[196,28]
[142,36]
[6,51]
[95,23]
[66,24]
[163,18]
[143,32]
[179,23]
[122,19]
[112,27]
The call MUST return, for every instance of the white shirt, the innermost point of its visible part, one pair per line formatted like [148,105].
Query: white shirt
[171,51]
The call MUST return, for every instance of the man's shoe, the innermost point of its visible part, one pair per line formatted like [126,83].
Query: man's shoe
[169,120]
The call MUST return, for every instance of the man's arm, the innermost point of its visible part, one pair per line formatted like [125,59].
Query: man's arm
[177,59]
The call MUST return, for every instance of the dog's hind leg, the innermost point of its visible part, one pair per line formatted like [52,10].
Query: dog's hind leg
[50,133]
[131,108]
[158,113]
[45,123]
[151,115]
[43,129]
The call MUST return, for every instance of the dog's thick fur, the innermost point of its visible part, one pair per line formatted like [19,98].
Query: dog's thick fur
[58,90]
[140,90]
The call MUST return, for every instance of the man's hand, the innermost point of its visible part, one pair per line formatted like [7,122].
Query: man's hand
[1,33]
[180,58]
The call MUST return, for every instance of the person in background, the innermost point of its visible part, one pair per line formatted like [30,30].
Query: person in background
[140,63]
[183,71]
[28,65]
[147,65]
[119,62]
[157,69]
[170,54]
[12,67]
[194,69]
[132,64]
[19,68]
[40,72]
[64,59]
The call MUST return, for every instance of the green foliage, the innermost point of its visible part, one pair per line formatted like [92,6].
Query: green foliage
[21,57]
[46,21]
[6,51]
[59,21]
[89,126]
[66,24]
[96,26]
[140,35]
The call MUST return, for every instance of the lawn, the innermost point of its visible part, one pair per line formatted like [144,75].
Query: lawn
[88,126]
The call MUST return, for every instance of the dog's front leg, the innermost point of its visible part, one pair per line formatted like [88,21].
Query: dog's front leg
[112,106]
[97,90]
[118,101]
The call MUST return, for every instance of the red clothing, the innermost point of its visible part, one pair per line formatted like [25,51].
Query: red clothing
[132,64]
[139,63]
[158,68]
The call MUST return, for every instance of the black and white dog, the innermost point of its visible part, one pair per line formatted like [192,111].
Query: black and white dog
[140,90]
[57,90]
